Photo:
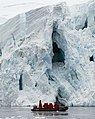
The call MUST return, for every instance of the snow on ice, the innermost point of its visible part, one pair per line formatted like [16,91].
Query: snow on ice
[46,53]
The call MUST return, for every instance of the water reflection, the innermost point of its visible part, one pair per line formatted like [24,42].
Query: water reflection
[26,113]
[38,113]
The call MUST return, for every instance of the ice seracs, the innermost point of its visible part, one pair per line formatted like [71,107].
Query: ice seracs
[46,54]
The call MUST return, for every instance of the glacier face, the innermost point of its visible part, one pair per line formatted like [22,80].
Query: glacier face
[49,53]
[2,20]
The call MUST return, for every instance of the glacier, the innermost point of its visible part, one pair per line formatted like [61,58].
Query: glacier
[2,20]
[49,53]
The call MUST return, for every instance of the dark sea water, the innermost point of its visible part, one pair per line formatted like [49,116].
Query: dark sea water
[25,113]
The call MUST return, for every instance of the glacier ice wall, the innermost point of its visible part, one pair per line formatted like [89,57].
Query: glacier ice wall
[27,70]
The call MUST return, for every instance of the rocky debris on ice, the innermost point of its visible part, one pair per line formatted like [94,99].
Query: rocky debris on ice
[26,50]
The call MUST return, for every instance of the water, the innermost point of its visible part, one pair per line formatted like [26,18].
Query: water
[25,113]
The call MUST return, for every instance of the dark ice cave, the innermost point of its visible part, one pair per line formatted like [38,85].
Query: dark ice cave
[58,54]
[20,82]
[91,58]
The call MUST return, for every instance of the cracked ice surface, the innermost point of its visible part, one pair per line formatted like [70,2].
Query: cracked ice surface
[26,48]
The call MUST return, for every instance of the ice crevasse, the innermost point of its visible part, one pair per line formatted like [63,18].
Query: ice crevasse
[49,53]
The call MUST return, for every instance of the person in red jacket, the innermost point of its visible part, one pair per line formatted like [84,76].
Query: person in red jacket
[56,105]
[50,106]
[45,105]
[40,104]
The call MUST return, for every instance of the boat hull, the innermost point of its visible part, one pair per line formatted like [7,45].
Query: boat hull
[43,109]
